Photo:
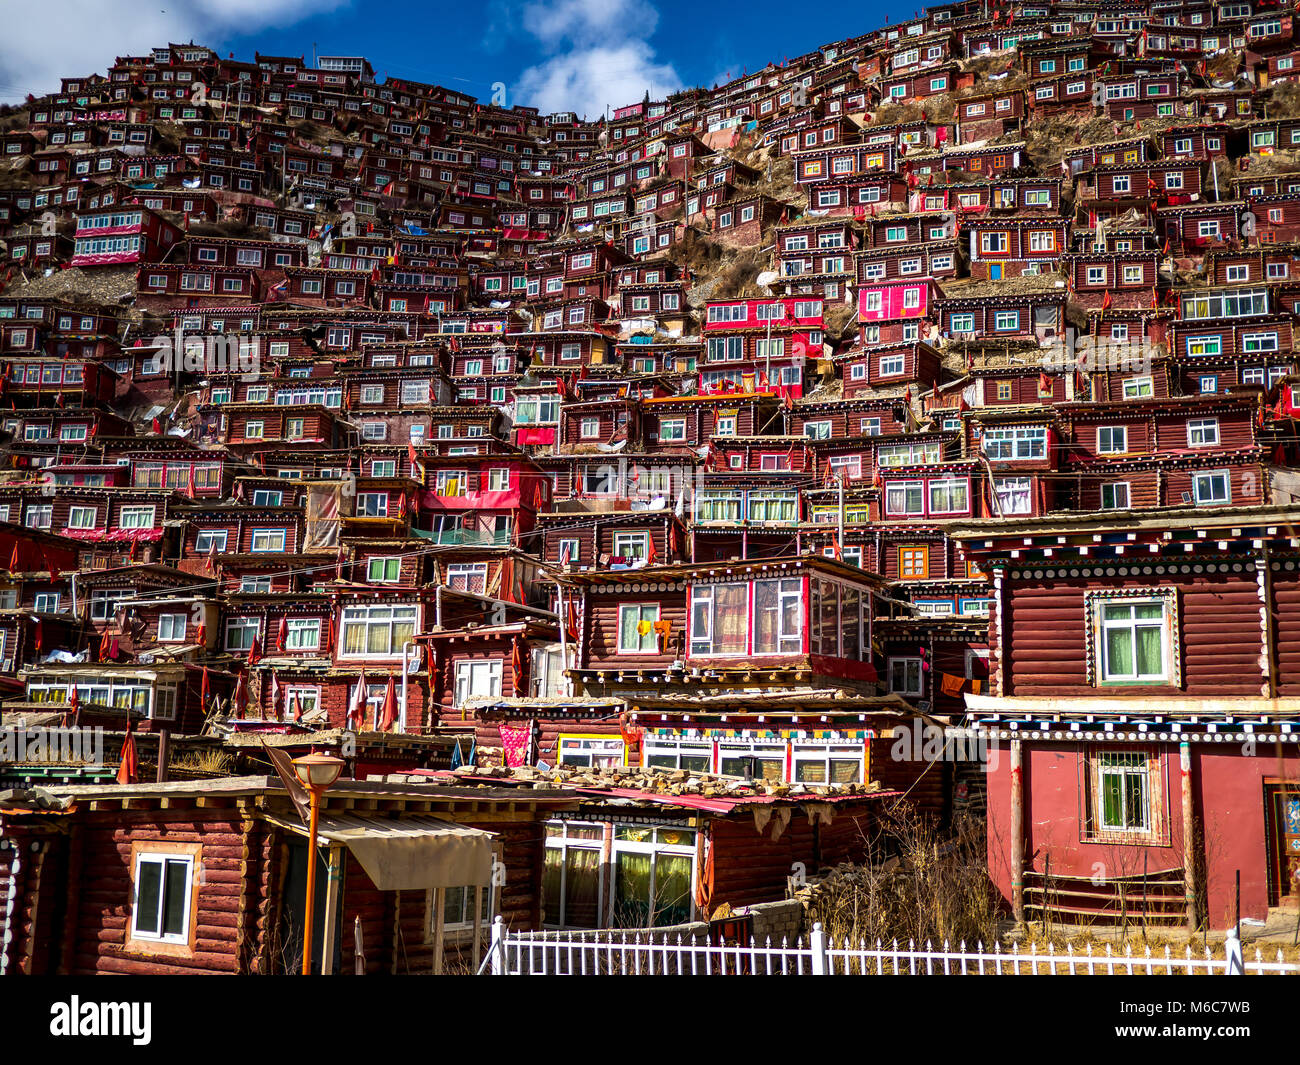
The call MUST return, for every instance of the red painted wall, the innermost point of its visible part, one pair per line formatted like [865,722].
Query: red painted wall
[1228,799]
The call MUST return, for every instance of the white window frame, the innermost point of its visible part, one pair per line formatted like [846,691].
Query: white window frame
[164,859]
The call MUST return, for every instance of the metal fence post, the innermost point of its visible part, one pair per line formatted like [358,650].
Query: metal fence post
[1232,951]
[817,943]
[497,951]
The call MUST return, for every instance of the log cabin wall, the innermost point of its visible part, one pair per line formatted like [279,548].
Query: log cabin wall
[37,862]
[601,646]
[231,908]
[1085,491]
[1284,583]
[750,866]
[450,653]
[1219,632]
[925,783]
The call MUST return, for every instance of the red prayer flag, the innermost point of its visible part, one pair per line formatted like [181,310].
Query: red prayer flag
[389,717]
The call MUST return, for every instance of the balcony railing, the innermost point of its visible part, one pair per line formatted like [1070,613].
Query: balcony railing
[471,538]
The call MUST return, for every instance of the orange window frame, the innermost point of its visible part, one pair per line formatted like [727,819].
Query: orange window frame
[908,559]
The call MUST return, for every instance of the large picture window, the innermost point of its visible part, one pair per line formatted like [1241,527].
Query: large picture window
[376,631]
[719,619]
[648,882]
[654,870]
[777,616]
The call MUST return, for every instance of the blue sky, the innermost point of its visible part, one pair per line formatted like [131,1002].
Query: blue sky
[554,54]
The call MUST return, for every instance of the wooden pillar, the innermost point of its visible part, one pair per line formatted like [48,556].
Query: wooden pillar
[1017,832]
[478,924]
[439,904]
[164,754]
[1189,833]
[329,929]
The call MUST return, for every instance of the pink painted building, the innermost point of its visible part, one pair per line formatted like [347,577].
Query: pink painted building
[894,300]
[123,234]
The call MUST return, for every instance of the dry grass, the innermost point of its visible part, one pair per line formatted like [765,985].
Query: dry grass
[839,321]
[1047,139]
[917,884]
[738,276]
[209,762]
[1117,941]
[1284,100]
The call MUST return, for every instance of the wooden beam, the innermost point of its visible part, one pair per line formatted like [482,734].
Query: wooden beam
[1189,832]
[1017,832]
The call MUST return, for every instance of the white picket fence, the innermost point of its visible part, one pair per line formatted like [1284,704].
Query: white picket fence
[645,953]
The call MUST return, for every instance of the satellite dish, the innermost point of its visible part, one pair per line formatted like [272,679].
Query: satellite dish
[767,277]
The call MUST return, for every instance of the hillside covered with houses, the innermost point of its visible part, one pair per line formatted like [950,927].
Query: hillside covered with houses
[641,508]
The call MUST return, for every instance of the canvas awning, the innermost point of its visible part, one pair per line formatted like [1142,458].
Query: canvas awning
[409,854]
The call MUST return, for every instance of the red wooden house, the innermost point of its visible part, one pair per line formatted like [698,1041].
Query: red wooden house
[1141,703]
[123,235]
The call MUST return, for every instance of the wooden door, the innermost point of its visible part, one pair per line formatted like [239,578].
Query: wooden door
[1284,844]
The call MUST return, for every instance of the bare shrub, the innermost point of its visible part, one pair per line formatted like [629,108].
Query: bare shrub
[917,884]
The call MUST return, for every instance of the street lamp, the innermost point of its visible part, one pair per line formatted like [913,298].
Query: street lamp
[317,772]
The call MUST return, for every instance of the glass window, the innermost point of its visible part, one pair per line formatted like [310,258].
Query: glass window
[905,676]
[719,619]
[1019,442]
[1203,432]
[1134,639]
[1123,799]
[636,634]
[477,678]
[163,887]
[383,570]
[1115,496]
[376,631]
[1212,487]
[778,616]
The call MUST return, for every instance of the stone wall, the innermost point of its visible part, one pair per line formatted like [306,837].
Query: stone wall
[777,920]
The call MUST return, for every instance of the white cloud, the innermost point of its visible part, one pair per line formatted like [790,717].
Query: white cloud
[588,80]
[85,36]
[602,56]
[589,21]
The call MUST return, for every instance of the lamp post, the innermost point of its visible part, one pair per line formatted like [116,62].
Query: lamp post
[317,772]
